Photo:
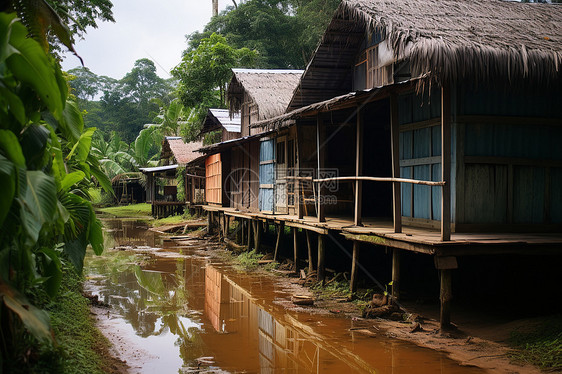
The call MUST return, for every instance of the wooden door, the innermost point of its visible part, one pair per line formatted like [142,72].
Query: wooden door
[267,176]
[281,176]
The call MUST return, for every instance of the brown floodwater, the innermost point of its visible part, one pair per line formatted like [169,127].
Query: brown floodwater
[192,313]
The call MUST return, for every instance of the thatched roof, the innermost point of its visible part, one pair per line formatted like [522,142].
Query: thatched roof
[182,152]
[271,90]
[478,41]
[216,119]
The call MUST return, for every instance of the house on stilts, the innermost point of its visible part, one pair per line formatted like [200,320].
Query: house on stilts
[428,128]
[161,181]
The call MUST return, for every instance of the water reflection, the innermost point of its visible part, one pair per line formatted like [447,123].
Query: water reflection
[195,313]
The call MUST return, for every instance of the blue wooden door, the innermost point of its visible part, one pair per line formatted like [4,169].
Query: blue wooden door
[267,175]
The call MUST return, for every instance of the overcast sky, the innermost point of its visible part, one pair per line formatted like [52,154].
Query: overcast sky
[154,29]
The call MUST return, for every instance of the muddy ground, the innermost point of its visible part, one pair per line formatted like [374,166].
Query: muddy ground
[476,341]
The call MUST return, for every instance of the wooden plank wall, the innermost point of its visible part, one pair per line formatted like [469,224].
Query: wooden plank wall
[213,179]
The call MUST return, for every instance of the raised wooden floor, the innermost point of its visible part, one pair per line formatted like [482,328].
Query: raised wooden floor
[428,241]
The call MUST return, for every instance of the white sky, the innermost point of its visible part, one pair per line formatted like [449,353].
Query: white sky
[153,29]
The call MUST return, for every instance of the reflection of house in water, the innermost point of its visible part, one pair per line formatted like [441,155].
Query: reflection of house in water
[284,343]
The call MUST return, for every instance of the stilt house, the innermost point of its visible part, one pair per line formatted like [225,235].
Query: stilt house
[236,175]
[421,126]
[161,184]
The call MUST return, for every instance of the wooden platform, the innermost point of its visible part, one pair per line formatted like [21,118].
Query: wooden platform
[428,241]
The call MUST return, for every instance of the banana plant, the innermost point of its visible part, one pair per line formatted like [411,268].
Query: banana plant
[45,170]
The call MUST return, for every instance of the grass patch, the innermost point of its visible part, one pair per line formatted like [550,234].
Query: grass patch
[541,347]
[171,220]
[249,260]
[81,348]
[133,210]
[335,289]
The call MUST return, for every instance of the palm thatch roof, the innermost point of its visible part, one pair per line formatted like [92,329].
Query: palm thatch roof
[474,41]
[181,151]
[270,90]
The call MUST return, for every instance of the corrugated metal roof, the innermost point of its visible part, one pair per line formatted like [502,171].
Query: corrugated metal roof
[223,116]
[157,169]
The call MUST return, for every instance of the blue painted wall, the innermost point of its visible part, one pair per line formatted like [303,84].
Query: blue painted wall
[267,175]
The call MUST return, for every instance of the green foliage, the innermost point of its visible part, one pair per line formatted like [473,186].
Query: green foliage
[203,75]
[249,260]
[46,171]
[542,346]
[285,33]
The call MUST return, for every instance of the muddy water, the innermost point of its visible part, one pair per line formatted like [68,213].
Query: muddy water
[187,312]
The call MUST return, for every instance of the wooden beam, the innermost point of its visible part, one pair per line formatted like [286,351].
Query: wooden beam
[358,168]
[321,274]
[257,235]
[446,294]
[395,149]
[396,274]
[320,138]
[280,231]
[295,249]
[446,163]
[318,230]
[309,246]
[354,265]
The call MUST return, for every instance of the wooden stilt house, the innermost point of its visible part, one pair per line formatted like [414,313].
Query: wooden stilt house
[161,183]
[422,126]
[246,165]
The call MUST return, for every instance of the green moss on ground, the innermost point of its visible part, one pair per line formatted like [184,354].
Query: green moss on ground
[171,220]
[80,349]
[131,211]
[542,346]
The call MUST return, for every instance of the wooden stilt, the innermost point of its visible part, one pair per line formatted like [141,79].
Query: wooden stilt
[354,267]
[209,222]
[295,249]
[239,232]
[321,259]
[396,274]
[446,163]
[257,235]
[446,295]
[309,245]
[227,225]
[242,231]
[249,234]
[280,229]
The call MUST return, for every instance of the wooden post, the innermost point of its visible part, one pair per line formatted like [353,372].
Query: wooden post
[295,248]
[242,229]
[358,168]
[280,231]
[446,294]
[395,145]
[257,235]
[446,163]
[308,244]
[396,274]
[209,222]
[227,225]
[354,264]
[321,259]
[249,234]
[320,132]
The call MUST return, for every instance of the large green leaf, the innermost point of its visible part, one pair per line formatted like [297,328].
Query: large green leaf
[55,150]
[12,103]
[10,147]
[6,50]
[71,123]
[71,179]
[76,251]
[33,66]
[36,321]
[33,142]
[39,203]
[82,147]
[7,186]
[95,236]
[51,270]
